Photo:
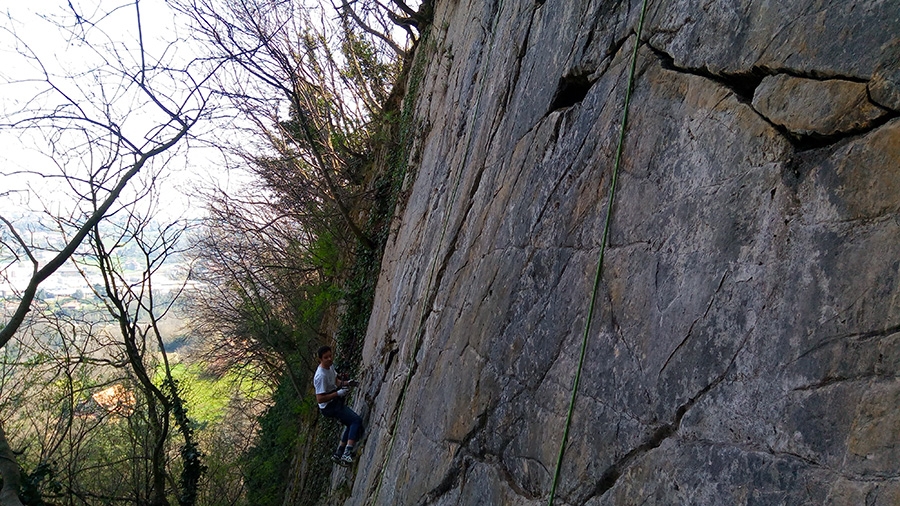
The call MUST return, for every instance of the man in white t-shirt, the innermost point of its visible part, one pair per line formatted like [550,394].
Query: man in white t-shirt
[330,393]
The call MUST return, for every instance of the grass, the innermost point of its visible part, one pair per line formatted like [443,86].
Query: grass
[207,397]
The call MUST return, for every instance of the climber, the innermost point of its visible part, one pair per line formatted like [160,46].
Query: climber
[331,389]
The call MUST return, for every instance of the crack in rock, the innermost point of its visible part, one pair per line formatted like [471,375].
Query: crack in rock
[611,475]
[851,114]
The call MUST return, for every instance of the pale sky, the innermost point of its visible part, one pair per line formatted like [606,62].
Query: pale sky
[27,27]
[34,26]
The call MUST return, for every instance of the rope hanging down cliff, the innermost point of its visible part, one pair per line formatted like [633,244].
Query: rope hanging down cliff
[420,330]
[609,206]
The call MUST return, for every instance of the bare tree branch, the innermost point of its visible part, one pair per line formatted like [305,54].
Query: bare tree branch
[85,119]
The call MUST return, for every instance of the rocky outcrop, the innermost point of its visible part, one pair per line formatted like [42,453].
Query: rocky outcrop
[807,107]
[745,346]
[884,87]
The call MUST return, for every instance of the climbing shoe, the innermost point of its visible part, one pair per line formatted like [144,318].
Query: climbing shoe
[346,460]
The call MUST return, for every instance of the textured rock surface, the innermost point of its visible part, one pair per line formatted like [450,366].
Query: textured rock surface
[813,107]
[746,343]
[885,84]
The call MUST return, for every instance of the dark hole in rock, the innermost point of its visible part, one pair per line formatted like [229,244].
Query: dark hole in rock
[743,84]
[571,90]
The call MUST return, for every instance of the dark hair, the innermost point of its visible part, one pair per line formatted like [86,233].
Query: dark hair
[323,350]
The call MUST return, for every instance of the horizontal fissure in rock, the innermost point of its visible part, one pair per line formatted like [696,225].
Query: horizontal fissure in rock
[817,141]
[744,85]
[822,109]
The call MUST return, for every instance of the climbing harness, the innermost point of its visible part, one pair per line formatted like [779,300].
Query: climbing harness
[609,206]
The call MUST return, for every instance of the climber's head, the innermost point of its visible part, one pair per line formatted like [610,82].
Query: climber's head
[326,356]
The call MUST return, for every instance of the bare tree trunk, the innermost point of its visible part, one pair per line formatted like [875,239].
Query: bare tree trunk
[165,400]
[9,470]
[156,400]
[158,456]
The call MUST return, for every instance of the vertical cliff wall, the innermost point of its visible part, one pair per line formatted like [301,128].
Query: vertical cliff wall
[745,348]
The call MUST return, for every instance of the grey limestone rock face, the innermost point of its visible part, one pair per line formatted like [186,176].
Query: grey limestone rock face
[745,344]
[884,87]
[814,107]
[815,38]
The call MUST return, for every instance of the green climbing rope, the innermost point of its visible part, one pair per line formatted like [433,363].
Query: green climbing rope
[609,204]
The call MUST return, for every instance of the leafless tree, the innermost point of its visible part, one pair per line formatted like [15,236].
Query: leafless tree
[118,359]
[309,85]
[134,305]
[380,19]
[101,128]
[263,306]
[51,369]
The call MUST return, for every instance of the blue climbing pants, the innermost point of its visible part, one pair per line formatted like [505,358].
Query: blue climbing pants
[352,422]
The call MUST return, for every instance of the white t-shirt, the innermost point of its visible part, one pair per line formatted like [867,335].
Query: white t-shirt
[325,381]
